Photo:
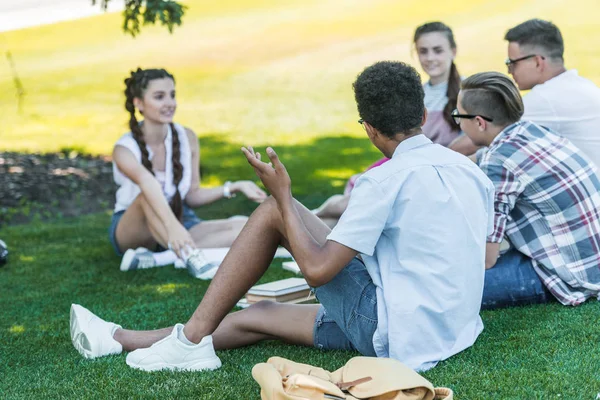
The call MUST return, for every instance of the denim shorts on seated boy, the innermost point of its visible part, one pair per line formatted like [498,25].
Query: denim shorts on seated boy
[420,222]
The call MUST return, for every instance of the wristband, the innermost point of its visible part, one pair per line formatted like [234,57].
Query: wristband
[227,190]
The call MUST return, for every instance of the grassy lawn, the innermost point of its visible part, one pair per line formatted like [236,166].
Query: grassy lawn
[256,72]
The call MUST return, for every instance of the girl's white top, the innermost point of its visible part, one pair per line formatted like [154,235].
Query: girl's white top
[128,190]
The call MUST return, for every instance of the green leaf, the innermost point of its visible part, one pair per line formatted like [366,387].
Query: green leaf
[138,12]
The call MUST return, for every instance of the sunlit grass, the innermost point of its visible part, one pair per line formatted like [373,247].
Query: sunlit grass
[261,72]
[170,288]
[17,329]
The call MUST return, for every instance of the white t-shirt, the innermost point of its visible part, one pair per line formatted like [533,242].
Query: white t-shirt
[420,222]
[128,190]
[569,105]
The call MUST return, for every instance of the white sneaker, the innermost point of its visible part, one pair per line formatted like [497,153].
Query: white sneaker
[171,353]
[199,267]
[139,258]
[91,335]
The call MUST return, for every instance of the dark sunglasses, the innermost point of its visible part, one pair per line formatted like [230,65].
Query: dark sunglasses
[456,116]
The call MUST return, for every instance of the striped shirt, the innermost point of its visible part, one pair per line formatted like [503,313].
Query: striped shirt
[547,203]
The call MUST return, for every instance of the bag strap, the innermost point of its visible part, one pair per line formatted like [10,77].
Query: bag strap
[348,385]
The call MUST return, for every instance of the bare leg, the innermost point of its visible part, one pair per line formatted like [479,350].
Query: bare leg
[140,226]
[217,233]
[330,222]
[267,320]
[132,340]
[245,263]
[333,207]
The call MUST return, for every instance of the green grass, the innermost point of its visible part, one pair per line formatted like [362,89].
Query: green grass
[261,72]
[536,352]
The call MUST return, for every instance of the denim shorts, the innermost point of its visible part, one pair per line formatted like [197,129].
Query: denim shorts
[190,219]
[513,282]
[347,318]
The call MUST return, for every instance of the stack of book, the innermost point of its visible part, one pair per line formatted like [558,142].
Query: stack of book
[289,291]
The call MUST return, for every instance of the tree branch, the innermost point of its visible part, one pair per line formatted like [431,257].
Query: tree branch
[138,12]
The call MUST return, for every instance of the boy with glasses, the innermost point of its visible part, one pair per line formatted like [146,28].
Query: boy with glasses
[547,201]
[560,99]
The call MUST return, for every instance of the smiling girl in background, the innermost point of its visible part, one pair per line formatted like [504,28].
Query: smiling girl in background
[156,166]
[436,48]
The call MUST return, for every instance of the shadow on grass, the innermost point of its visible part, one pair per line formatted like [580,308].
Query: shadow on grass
[52,186]
[318,169]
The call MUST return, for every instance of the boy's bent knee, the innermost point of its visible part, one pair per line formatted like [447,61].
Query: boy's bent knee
[268,209]
[263,306]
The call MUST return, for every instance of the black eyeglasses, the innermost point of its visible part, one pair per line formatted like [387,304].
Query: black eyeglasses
[362,122]
[456,116]
[510,62]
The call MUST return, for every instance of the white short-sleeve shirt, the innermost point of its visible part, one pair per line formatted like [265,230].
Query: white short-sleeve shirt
[128,190]
[420,222]
[569,105]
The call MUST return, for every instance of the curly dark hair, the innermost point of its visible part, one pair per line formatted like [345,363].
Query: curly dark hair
[389,96]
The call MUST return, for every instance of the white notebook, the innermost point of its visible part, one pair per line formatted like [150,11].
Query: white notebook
[279,288]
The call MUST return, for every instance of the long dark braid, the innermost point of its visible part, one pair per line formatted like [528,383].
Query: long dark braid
[135,86]
[176,201]
[454,78]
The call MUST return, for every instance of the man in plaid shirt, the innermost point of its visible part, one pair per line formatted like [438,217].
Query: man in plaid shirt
[547,201]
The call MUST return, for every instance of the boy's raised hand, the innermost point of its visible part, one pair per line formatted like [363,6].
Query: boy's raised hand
[273,175]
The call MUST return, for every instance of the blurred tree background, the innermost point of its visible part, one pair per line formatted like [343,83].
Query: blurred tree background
[142,12]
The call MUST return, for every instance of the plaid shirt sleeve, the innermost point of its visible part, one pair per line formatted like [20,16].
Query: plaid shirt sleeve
[507,190]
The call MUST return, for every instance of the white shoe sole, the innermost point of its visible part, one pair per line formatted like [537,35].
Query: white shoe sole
[202,365]
[79,339]
[126,260]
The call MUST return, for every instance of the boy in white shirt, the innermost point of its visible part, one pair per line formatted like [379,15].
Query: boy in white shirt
[559,99]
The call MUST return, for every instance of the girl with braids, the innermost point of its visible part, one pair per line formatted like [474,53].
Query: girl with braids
[436,48]
[156,167]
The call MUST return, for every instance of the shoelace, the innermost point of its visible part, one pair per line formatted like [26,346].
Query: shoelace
[197,259]
[199,266]
[145,261]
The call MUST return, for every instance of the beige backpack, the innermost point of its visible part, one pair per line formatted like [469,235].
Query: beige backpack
[361,378]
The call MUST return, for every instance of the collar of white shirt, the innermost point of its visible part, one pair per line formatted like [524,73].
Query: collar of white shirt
[411,143]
